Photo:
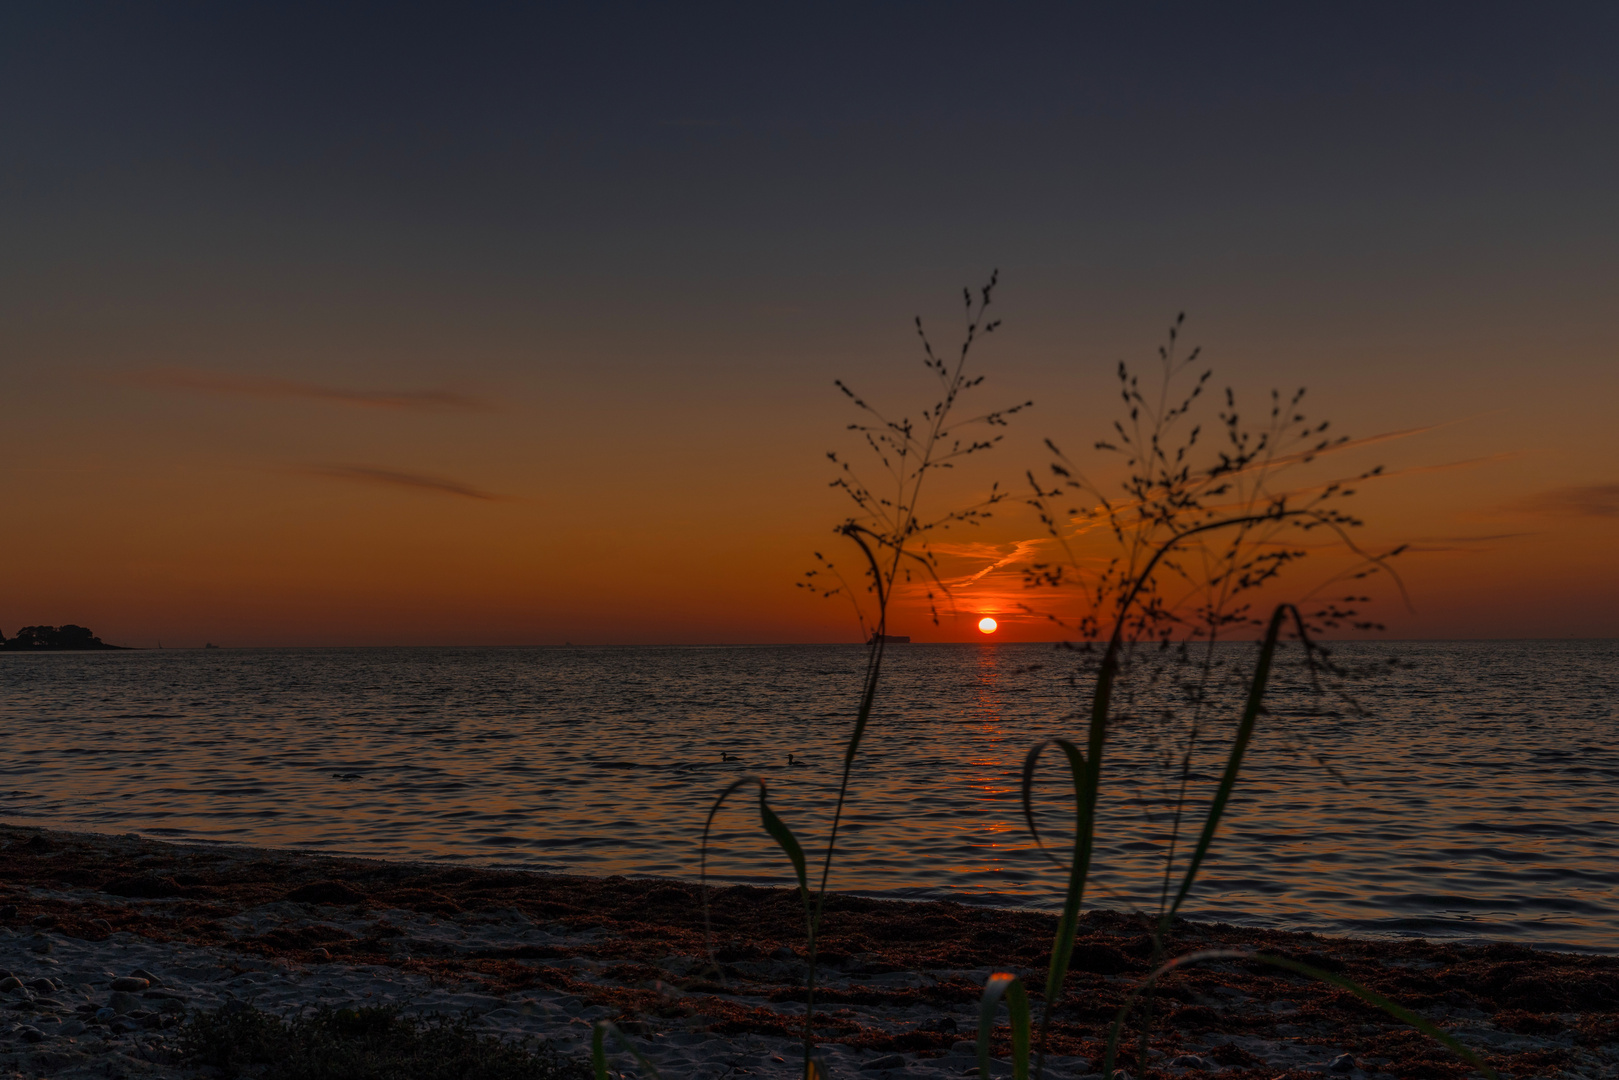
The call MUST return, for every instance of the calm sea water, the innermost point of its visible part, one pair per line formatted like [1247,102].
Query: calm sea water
[1479,798]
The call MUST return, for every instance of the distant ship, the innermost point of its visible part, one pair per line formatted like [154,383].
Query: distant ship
[210,645]
[892,639]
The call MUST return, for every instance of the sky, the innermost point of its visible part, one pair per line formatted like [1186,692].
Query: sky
[484,325]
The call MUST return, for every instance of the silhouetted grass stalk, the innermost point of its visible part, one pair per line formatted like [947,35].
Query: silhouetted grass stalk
[892,540]
[1171,516]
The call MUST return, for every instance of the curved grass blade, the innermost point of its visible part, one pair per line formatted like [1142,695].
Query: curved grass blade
[702,866]
[788,843]
[1239,746]
[778,831]
[1371,997]
[1004,984]
[598,1050]
[1068,925]
[1076,764]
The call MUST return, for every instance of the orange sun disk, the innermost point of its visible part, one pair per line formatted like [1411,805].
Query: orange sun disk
[987,625]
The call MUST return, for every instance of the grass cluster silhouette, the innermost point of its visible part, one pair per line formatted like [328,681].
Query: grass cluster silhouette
[1150,577]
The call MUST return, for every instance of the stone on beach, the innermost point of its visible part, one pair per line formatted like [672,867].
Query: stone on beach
[123,1003]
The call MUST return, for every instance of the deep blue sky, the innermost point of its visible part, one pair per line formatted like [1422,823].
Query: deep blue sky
[525,146]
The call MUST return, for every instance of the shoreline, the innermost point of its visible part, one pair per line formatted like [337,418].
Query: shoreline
[544,955]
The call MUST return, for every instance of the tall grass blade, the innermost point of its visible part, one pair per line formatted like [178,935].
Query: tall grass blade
[788,843]
[1062,948]
[1239,746]
[778,831]
[1003,984]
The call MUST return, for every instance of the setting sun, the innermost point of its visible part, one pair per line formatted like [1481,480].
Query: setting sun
[987,625]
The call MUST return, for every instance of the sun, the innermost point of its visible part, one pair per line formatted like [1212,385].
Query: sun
[987,624]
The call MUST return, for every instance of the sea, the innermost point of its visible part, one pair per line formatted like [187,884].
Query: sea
[1460,790]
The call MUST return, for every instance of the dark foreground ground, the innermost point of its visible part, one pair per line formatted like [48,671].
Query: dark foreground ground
[901,979]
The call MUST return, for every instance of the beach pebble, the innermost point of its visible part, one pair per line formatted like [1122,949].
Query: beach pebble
[41,944]
[44,922]
[1188,1061]
[1342,1063]
[124,1003]
[131,984]
[71,1028]
[10,983]
[29,1033]
[105,1014]
[44,986]
[102,925]
[142,973]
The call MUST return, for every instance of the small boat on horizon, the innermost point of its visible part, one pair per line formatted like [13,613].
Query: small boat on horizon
[892,639]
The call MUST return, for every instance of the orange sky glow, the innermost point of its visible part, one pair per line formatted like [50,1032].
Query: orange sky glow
[479,339]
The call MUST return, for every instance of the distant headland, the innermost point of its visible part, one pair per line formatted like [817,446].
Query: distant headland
[41,638]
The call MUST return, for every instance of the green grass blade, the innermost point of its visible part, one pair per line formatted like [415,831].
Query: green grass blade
[702,862]
[1030,760]
[598,1053]
[788,843]
[1068,925]
[1239,746]
[1130,1002]
[1004,984]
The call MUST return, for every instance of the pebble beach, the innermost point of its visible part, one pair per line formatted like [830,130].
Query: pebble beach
[107,943]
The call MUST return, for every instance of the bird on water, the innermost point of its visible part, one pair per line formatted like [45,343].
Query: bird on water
[795,764]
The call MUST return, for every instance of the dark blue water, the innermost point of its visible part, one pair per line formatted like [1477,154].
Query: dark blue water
[1477,798]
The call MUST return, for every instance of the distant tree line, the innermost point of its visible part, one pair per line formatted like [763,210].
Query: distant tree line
[53,637]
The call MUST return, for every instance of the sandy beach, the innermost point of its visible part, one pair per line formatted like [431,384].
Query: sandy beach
[106,942]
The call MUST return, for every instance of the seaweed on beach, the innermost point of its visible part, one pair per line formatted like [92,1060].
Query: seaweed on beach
[1521,1006]
[368,1043]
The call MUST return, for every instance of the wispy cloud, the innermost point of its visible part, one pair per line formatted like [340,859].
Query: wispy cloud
[176,378]
[1429,545]
[1489,459]
[1587,500]
[1023,551]
[365,474]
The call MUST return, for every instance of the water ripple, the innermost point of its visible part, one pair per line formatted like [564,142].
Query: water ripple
[1476,801]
